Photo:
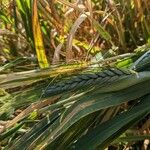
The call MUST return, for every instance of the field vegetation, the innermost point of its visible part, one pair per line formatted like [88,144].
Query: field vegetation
[67,74]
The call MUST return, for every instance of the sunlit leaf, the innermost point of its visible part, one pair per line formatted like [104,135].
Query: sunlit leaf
[39,46]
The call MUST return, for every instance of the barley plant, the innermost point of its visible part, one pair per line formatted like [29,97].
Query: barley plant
[74,74]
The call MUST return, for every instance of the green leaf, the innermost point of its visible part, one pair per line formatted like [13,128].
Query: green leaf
[36,131]
[4,18]
[102,31]
[105,133]
[88,104]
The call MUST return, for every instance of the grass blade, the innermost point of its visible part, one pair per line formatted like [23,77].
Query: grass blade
[39,46]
